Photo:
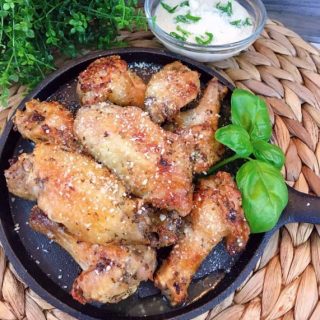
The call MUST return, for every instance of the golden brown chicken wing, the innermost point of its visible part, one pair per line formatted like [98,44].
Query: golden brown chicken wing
[169,90]
[110,79]
[87,198]
[152,163]
[111,272]
[197,127]
[46,122]
[217,214]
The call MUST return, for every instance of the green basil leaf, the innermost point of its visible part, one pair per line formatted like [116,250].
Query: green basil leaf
[264,194]
[250,112]
[168,8]
[225,8]
[235,138]
[269,153]
[204,40]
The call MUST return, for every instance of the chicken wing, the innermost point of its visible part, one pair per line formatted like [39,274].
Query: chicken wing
[197,127]
[85,197]
[217,214]
[46,122]
[110,79]
[111,272]
[170,89]
[152,163]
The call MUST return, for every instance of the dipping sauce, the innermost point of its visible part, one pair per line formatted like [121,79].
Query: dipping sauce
[206,22]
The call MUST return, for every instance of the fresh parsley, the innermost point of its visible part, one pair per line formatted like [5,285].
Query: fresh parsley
[247,22]
[168,8]
[225,8]
[263,188]
[187,18]
[204,39]
[32,32]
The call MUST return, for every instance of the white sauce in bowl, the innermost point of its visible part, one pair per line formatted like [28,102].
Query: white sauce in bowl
[204,22]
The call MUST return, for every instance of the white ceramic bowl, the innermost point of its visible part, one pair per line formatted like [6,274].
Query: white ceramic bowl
[210,53]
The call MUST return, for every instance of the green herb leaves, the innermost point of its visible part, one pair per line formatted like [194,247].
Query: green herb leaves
[225,8]
[264,194]
[168,8]
[187,18]
[204,40]
[250,112]
[241,23]
[263,189]
[235,138]
[30,31]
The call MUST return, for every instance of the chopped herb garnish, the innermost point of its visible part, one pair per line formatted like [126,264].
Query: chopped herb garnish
[247,22]
[177,36]
[183,31]
[187,18]
[184,4]
[168,8]
[239,23]
[226,8]
[205,39]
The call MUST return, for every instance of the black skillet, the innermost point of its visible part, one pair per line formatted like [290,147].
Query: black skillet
[50,271]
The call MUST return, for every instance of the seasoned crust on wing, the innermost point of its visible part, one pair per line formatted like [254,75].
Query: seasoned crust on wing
[87,198]
[217,214]
[109,78]
[197,127]
[111,272]
[152,163]
[169,90]
[46,121]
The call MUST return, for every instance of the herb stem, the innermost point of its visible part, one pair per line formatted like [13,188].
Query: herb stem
[223,163]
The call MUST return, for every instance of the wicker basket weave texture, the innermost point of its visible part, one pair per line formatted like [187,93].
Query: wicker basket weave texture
[285,70]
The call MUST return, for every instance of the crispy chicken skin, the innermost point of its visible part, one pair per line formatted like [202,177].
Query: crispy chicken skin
[197,127]
[111,272]
[152,163]
[110,79]
[46,122]
[169,90]
[217,214]
[87,198]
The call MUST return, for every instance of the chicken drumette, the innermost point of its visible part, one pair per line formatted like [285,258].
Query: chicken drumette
[74,190]
[197,127]
[152,163]
[217,214]
[169,90]
[109,78]
[111,272]
[46,122]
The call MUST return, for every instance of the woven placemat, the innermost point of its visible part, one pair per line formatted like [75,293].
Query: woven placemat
[285,70]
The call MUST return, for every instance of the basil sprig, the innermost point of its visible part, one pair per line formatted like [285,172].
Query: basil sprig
[263,188]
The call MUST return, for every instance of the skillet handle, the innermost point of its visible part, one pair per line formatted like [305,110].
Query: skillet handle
[301,208]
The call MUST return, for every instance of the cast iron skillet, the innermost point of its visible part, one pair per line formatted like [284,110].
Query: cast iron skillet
[50,271]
